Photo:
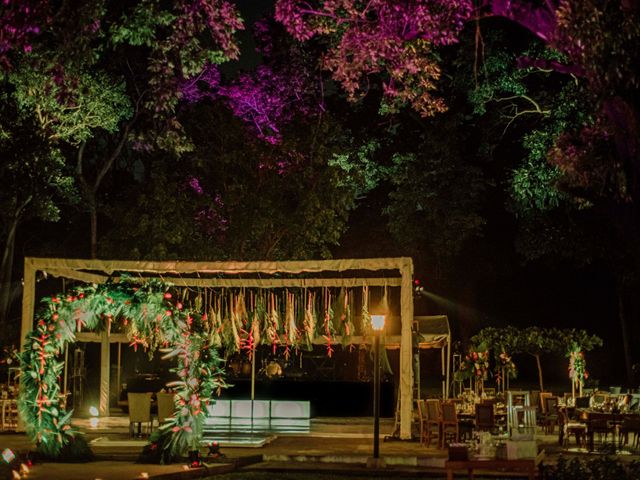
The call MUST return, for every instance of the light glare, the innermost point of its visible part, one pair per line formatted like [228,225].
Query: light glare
[377,322]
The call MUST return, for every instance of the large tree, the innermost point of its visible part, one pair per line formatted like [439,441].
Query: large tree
[237,196]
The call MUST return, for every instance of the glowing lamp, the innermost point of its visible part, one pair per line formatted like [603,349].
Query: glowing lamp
[93,411]
[377,322]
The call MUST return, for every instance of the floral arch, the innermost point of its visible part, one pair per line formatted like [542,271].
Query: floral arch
[152,317]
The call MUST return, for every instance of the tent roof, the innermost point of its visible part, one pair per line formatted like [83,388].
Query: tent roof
[433,331]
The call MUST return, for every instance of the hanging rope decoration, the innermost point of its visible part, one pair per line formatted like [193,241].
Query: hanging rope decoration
[158,317]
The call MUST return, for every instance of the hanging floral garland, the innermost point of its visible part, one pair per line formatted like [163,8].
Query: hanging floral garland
[152,319]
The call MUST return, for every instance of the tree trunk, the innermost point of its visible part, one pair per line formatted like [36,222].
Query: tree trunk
[539,365]
[6,266]
[93,213]
[6,270]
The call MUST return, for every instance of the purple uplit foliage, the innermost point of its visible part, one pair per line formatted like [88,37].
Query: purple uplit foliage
[267,99]
[20,21]
[194,185]
[187,45]
[539,19]
[211,222]
[201,86]
[379,36]
[209,217]
[219,18]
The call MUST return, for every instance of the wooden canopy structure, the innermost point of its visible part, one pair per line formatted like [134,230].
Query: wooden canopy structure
[385,272]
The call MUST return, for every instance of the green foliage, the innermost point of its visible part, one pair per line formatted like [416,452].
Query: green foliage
[595,469]
[435,204]
[360,169]
[71,109]
[36,179]
[534,183]
[139,27]
[259,201]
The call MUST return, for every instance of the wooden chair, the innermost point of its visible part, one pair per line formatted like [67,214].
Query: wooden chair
[422,420]
[630,425]
[166,406]
[485,418]
[550,416]
[434,420]
[139,411]
[570,427]
[490,392]
[450,427]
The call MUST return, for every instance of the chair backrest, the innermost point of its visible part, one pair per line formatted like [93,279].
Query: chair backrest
[166,406]
[433,410]
[139,407]
[582,402]
[632,424]
[600,397]
[551,405]
[484,415]
[449,412]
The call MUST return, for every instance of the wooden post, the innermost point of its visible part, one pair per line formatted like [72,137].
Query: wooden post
[118,372]
[28,300]
[406,347]
[105,366]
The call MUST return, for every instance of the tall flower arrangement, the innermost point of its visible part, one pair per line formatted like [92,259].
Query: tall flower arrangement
[504,370]
[475,366]
[577,369]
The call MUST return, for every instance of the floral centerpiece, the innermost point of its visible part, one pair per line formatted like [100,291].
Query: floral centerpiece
[474,366]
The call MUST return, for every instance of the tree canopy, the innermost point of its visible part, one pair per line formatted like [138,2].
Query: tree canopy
[144,129]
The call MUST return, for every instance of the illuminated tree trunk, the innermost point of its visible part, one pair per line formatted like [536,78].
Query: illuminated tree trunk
[90,190]
[6,269]
[539,365]
[6,266]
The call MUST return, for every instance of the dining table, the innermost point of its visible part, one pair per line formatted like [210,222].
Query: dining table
[612,419]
